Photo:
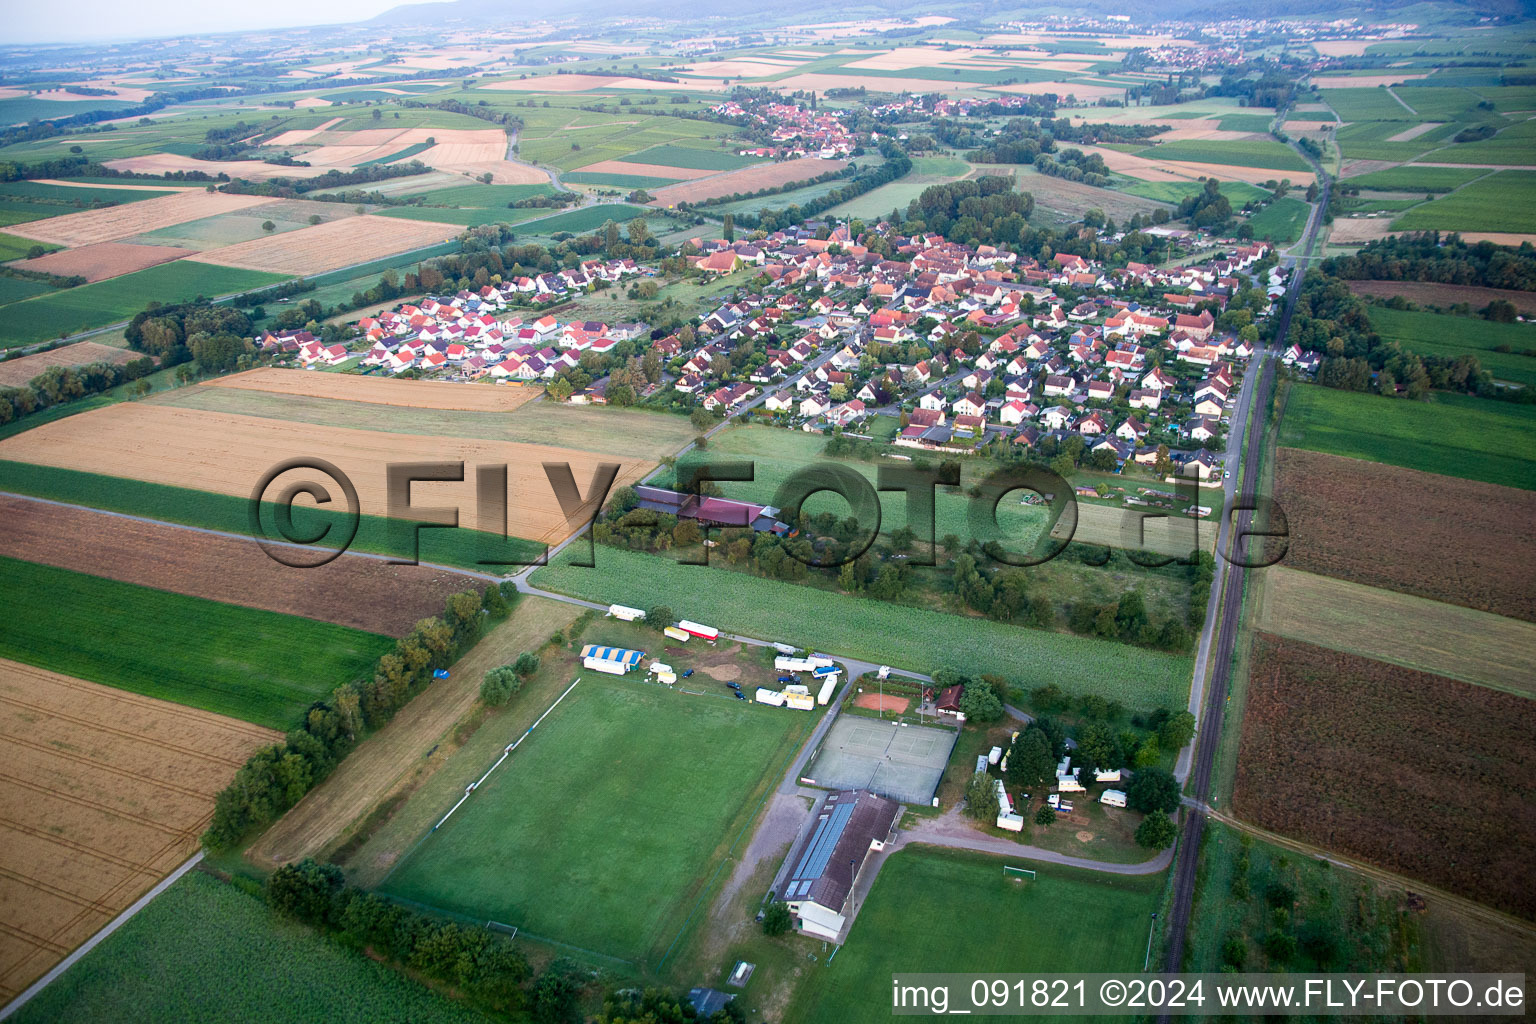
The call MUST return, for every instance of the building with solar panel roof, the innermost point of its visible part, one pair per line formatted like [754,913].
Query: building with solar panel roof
[825,864]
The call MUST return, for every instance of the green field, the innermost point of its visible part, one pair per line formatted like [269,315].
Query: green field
[943,911]
[14,289]
[588,218]
[630,181]
[1282,220]
[400,154]
[570,139]
[460,547]
[1454,435]
[483,196]
[22,109]
[691,157]
[205,951]
[1372,140]
[1435,334]
[263,667]
[96,305]
[1237,192]
[1505,201]
[1368,105]
[71,197]
[1251,153]
[910,638]
[13,247]
[599,830]
[467,217]
[1246,123]
[1411,178]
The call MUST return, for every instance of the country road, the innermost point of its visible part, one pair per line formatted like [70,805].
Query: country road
[1218,642]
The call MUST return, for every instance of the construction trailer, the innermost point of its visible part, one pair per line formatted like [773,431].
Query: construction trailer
[708,633]
[619,611]
[784,648]
[1113,775]
[1006,818]
[673,633]
[1112,798]
[613,668]
[994,755]
[799,701]
[784,664]
[771,697]
[798,688]
[663,673]
[828,685]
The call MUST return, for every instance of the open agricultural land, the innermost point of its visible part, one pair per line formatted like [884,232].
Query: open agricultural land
[1327,742]
[912,638]
[563,843]
[1458,541]
[260,666]
[411,394]
[104,793]
[238,961]
[367,594]
[229,454]
[1433,293]
[1455,435]
[966,903]
[17,371]
[1414,632]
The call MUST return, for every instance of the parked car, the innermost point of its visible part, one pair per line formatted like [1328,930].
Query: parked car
[734,686]
[740,695]
[687,672]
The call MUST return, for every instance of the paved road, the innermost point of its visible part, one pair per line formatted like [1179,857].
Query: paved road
[1219,652]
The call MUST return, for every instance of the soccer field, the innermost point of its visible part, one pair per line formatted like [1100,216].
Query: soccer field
[943,910]
[603,827]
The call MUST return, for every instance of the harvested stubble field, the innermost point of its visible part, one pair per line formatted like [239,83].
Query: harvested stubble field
[364,593]
[413,394]
[324,247]
[229,454]
[1417,773]
[16,372]
[1460,541]
[1415,632]
[746,180]
[113,222]
[103,794]
[103,260]
[397,758]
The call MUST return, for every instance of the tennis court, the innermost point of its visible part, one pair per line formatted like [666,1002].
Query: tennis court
[904,763]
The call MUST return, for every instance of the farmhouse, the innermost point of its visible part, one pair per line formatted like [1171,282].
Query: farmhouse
[713,511]
[826,863]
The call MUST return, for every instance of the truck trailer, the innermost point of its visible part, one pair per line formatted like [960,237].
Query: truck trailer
[619,611]
[770,697]
[709,633]
[673,633]
[828,685]
[800,701]
[613,668]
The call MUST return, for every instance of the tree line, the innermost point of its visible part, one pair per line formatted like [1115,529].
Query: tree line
[1448,259]
[277,777]
[59,384]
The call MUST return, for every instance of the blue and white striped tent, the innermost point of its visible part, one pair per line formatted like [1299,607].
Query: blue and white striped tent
[624,656]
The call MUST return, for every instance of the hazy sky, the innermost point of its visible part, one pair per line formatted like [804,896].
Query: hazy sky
[91,20]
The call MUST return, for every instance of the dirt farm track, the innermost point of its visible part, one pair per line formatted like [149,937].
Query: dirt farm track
[102,794]
[229,454]
[413,394]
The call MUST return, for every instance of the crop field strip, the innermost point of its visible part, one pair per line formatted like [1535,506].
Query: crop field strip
[18,371]
[260,666]
[628,433]
[235,960]
[747,179]
[368,594]
[1414,632]
[330,246]
[229,454]
[103,793]
[117,222]
[417,394]
[1383,763]
[1459,541]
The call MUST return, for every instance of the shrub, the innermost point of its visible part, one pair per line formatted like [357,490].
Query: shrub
[499,685]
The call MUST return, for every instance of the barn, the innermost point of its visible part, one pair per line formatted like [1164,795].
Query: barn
[825,864]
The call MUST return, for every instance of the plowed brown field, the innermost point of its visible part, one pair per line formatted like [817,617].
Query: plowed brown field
[340,243]
[113,222]
[746,180]
[413,394]
[1461,541]
[102,794]
[1420,774]
[104,259]
[230,454]
[364,593]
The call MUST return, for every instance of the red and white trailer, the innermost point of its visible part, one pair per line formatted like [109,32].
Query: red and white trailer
[709,633]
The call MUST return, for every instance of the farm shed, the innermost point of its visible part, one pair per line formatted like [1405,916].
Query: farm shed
[827,861]
[711,511]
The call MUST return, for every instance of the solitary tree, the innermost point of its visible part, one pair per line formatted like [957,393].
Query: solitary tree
[981,797]
[1045,815]
[499,685]
[267,225]
[1156,831]
[777,918]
